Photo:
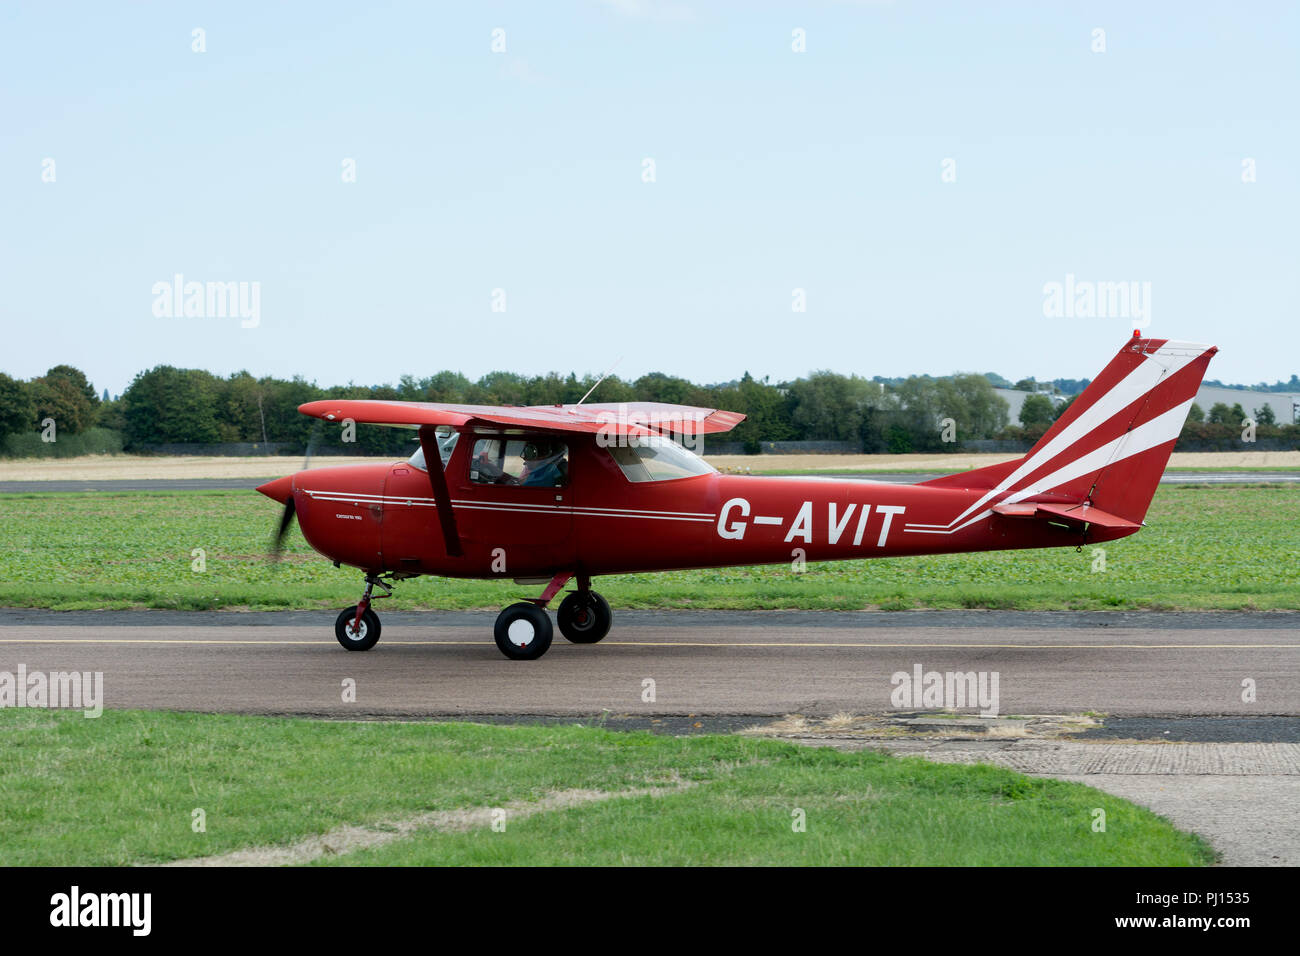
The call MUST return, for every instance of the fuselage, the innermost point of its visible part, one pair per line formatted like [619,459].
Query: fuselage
[384,518]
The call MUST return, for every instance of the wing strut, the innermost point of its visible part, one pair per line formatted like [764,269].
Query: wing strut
[438,479]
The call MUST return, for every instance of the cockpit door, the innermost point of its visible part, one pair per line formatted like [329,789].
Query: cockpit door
[513,500]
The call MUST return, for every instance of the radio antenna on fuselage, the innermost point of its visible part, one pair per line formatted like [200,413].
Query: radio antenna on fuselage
[598,381]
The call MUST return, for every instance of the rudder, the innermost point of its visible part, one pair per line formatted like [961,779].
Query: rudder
[1110,447]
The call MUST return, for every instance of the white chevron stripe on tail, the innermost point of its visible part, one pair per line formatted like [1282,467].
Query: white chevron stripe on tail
[1161,429]
[1155,368]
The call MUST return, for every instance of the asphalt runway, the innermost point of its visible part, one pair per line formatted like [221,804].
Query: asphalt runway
[1233,776]
[701,663]
[895,477]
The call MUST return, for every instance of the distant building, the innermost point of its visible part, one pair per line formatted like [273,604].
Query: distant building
[1015,397]
[1285,405]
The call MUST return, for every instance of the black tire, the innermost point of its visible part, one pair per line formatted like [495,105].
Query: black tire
[584,617]
[523,632]
[369,631]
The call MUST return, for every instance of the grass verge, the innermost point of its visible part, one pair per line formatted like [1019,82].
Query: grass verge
[123,788]
[1205,548]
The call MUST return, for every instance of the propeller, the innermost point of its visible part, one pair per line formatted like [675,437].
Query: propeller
[287,515]
[286,519]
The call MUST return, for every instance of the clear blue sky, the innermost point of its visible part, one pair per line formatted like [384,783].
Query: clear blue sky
[523,171]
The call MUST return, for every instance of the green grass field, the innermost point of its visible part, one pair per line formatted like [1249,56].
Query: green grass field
[123,788]
[1216,547]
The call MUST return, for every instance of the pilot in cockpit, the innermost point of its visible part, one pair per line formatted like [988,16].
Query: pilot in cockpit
[544,464]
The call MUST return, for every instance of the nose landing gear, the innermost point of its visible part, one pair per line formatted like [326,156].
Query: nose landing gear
[357,627]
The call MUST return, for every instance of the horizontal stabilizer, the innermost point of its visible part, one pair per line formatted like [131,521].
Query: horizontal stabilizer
[1075,514]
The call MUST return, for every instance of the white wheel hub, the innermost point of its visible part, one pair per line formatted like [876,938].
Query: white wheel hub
[521,632]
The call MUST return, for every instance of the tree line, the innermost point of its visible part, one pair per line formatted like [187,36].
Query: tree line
[167,405]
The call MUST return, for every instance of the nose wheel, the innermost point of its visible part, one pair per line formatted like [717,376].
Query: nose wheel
[357,635]
[357,627]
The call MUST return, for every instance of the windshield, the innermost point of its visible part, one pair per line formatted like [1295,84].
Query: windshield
[446,443]
[661,460]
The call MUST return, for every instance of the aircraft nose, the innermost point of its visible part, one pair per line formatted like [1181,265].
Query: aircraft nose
[281,489]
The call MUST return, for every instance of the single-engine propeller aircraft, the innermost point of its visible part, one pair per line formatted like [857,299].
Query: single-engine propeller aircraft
[546,495]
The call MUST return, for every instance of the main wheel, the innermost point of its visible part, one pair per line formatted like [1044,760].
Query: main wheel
[364,637]
[584,617]
[523,632]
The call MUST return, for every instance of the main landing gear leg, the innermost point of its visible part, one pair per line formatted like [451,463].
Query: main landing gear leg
[357,627]
[523,631]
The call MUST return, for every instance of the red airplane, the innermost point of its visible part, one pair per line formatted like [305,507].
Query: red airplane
[550,494]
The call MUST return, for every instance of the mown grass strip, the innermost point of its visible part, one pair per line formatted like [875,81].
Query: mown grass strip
[1205,547]
[124,788]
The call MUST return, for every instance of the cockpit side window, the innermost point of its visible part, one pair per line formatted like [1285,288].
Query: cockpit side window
[447,438]
[529,462]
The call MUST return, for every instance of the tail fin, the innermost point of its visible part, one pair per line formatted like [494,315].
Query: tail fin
[1111,446]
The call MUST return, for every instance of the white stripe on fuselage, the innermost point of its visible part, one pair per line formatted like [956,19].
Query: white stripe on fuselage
[525,507]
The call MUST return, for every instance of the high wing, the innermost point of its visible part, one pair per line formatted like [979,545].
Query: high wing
[625,417]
